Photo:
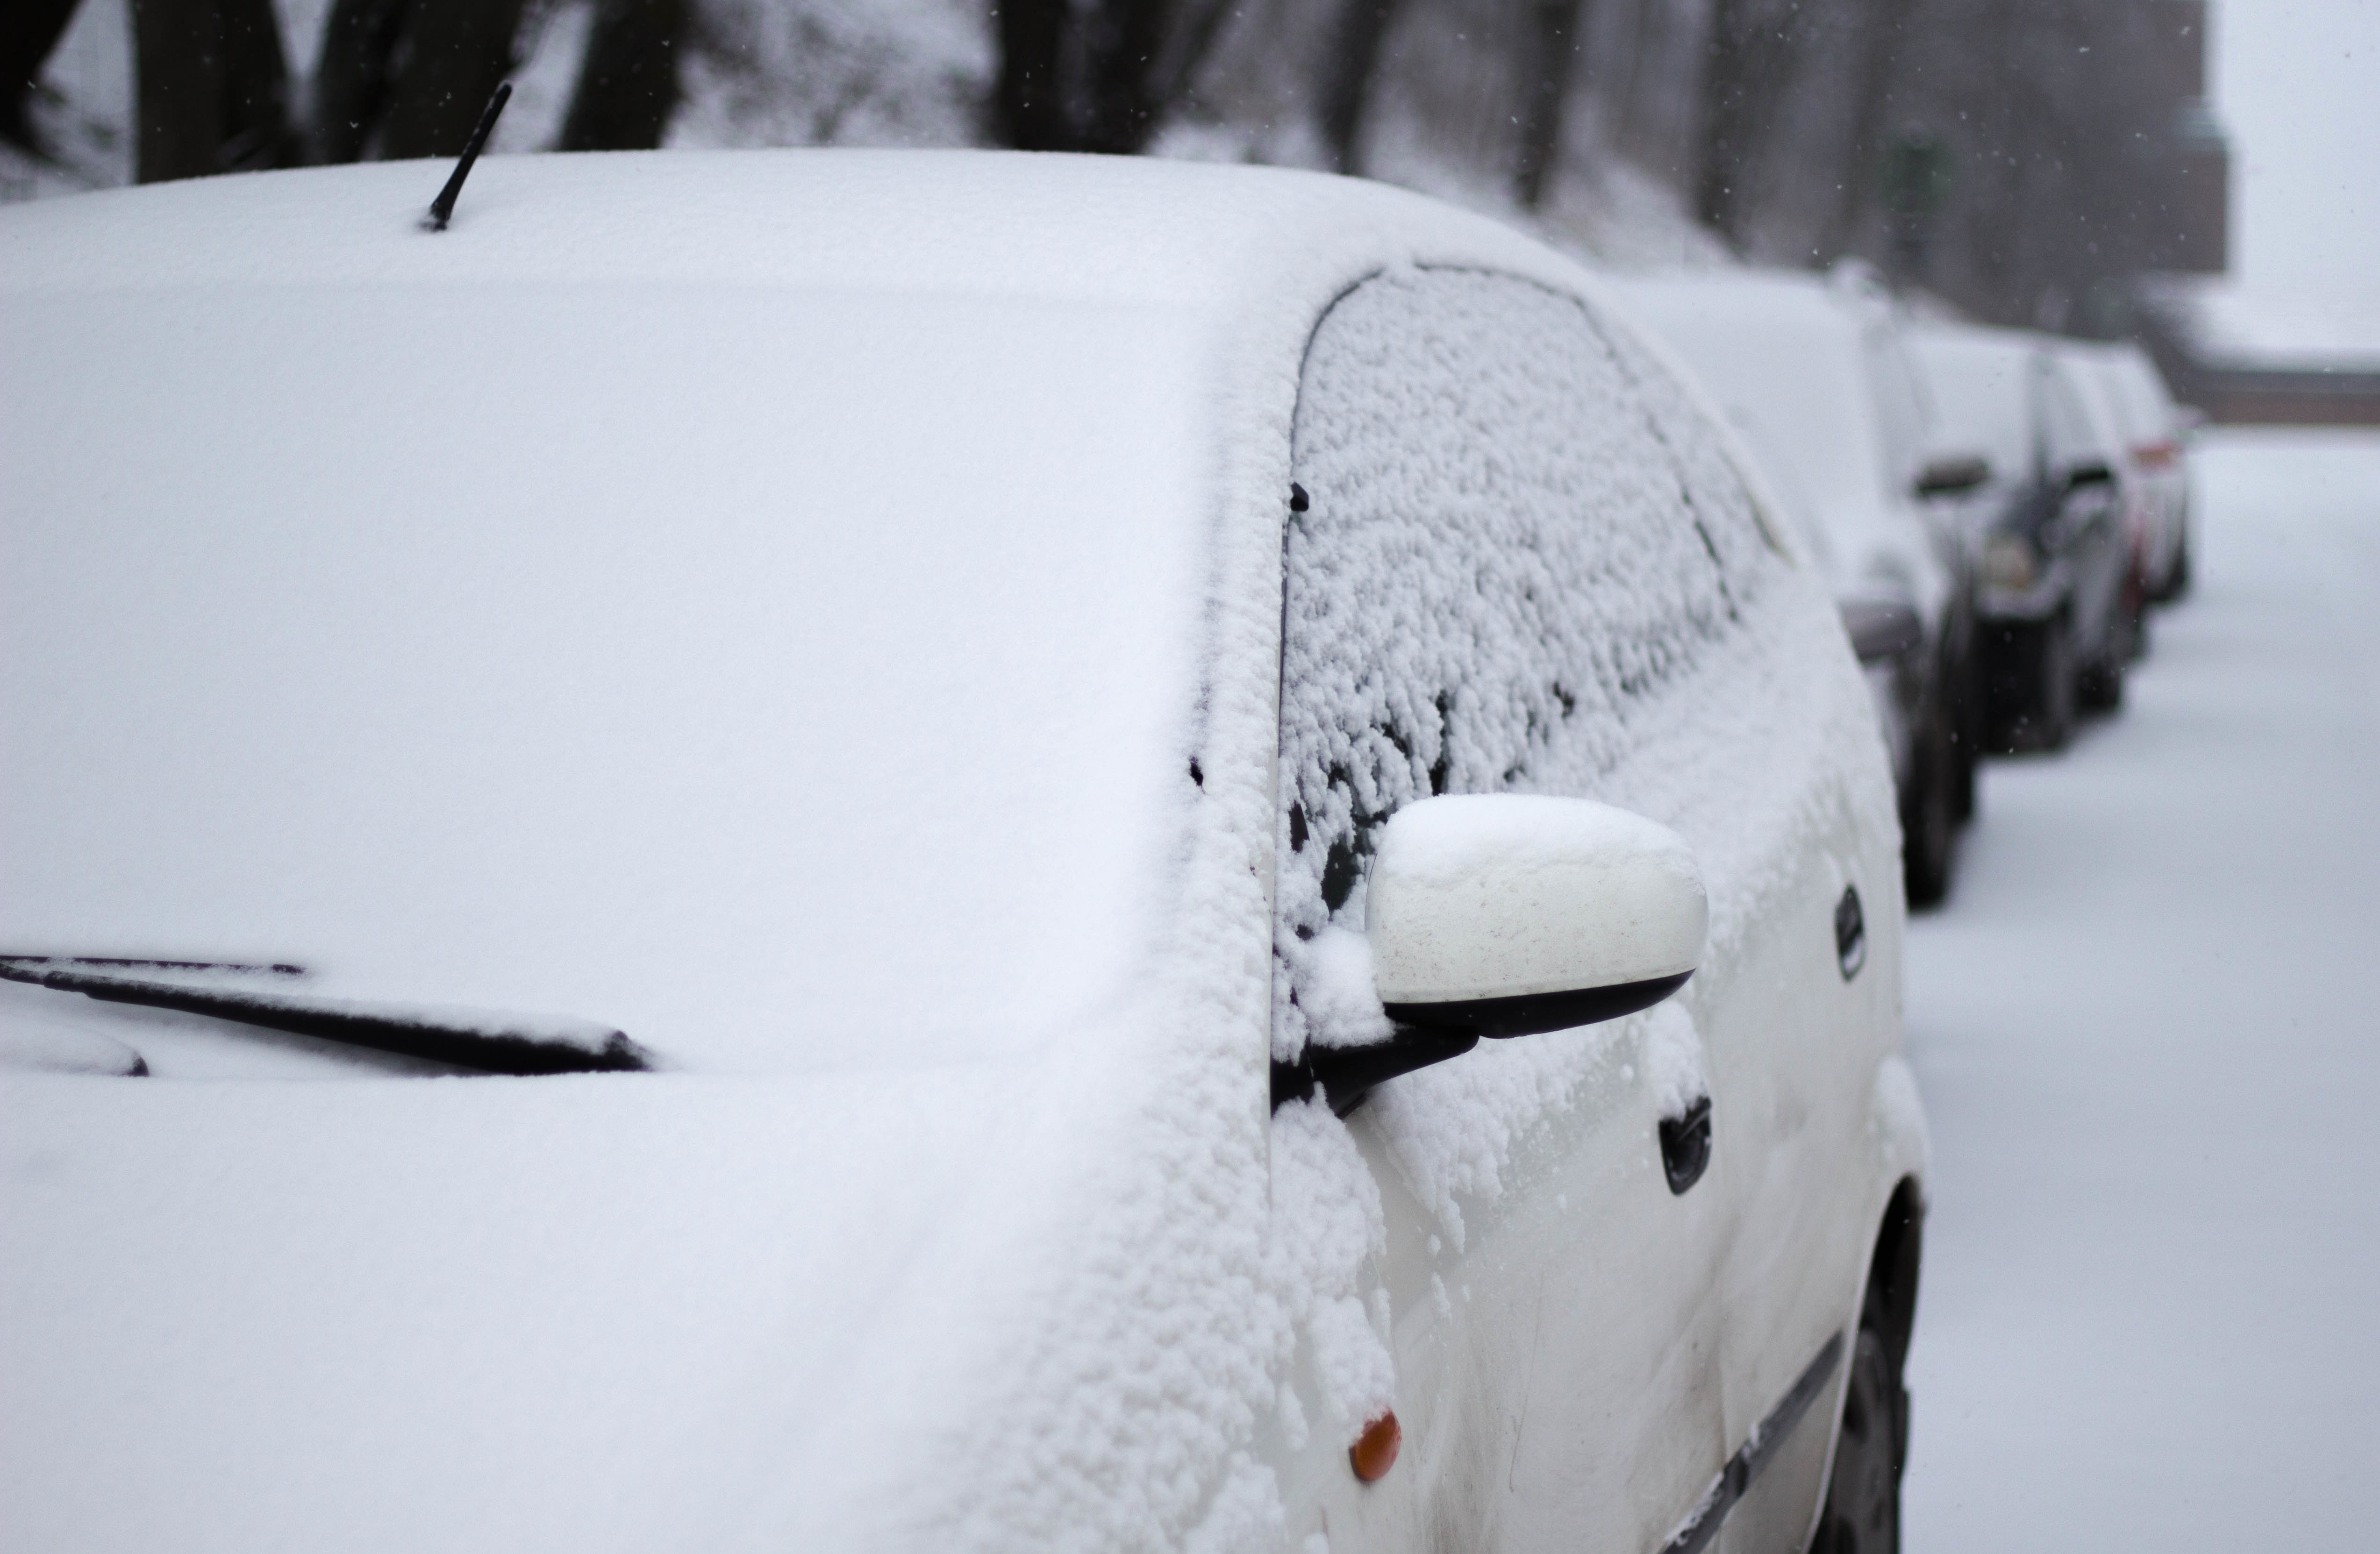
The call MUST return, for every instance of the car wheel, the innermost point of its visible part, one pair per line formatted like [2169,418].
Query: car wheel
[1967,744]
[2100,686]
[2177,582]
[2051,717]
[1929,824]
[1862,1511]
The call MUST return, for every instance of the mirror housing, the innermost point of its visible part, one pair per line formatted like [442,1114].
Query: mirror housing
[1881,629]
[1952,473]
[1502,915]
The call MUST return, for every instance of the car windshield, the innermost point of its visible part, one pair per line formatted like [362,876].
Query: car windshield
[781,678]
[1978,384]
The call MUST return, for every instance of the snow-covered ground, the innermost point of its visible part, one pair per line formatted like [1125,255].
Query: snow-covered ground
[2148,1027]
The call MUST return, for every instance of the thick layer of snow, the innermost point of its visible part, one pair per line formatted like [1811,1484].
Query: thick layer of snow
[1511,557]
[1576,894]
[1043,1300]
[2146,1029]
[1982,398]
[518,665]
[1790,360]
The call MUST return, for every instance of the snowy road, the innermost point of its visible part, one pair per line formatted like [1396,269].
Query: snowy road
[2147,1032]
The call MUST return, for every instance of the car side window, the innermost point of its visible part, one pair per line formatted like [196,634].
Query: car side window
[1516,536]
[1902,409]
[2067,432]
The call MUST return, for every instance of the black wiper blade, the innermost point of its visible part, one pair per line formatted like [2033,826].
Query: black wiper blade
[489,1041]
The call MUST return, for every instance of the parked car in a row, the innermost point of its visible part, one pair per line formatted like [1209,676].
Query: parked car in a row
[1816,374]
[2057,594]
[2080,522]
[2152,428]
[984,852]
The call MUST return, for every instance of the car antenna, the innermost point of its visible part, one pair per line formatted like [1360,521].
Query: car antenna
[441,208]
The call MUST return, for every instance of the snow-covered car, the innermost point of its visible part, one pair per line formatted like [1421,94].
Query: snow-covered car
[851,850]
[2054,603]
[1814,373]
[2154,463]
[2079,366]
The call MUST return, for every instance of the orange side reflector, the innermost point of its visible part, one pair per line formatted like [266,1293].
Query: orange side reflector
[1374,1451]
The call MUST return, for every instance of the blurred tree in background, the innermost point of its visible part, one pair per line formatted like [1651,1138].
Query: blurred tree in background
[2025,159]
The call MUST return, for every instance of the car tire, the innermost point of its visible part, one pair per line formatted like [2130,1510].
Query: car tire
[2176,581]
[1967,744]
[2100,686]
[1861,1514]
[1929,824]
[2048,723]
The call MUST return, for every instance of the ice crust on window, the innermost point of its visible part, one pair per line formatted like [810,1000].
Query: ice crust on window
[1516,544]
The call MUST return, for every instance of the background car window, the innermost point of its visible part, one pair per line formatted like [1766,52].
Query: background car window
[1980,391]
[1902,410]
[2066,429]
[1518,536]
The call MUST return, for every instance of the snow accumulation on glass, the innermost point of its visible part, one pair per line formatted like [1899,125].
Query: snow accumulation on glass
[1518,539]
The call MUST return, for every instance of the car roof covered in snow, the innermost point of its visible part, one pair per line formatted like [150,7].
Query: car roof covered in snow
[1078,228]
[1784,355]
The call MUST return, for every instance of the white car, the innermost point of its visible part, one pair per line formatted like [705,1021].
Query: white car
[1815,373]
[706,863]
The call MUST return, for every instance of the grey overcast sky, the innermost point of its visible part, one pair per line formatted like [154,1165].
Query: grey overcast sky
[2297,83]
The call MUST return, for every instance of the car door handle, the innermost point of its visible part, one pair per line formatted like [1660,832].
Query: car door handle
[1851,933]
[1686,1146]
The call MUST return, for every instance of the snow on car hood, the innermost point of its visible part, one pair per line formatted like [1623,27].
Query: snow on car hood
[603,1312]
[766,674]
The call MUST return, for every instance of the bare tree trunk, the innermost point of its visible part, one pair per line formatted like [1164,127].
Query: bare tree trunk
[456,53]
[1031,96]
[1086,77]
[1879,26]
[1555,35]
[1124,39]
[352,75]
[28,30]
[210,89]
[1748,63]
[1347,89]
[627,82]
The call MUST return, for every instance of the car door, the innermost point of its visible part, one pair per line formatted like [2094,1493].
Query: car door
[1503,574]
[2089,518]
[1791,811]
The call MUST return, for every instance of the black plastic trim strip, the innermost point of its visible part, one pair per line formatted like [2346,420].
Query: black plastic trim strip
[523,1051]
[1346,1074]
[1531,1014]
[1768,1438]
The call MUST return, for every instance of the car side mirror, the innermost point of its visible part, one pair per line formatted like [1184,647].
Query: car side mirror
[1504,914]
[1881,629]
[1952,474]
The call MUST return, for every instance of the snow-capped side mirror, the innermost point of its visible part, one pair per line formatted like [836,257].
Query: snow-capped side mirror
[1503,914]
[1950,474]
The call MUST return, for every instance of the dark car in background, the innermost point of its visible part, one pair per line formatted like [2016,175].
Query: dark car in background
[1817,374]
[2057,595]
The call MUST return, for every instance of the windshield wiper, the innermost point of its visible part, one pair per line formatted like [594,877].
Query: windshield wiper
[489,1041]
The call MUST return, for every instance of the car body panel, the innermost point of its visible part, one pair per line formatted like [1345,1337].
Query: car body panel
[1034,1281]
